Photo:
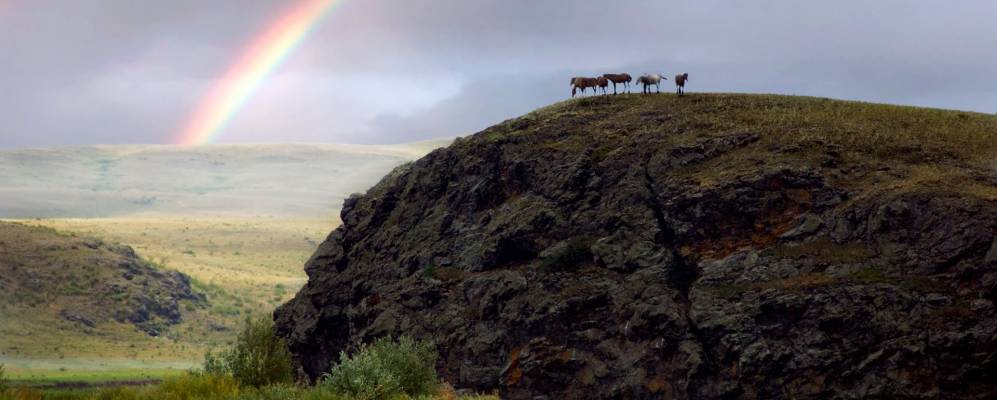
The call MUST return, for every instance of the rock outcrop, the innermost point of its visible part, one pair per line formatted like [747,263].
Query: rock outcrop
[656,247]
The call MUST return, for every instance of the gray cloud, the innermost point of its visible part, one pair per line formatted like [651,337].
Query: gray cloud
[379,71]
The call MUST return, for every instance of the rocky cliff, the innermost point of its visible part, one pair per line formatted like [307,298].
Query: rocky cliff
[707,247]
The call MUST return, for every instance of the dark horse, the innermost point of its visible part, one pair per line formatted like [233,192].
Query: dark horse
[625,79]
[680,81]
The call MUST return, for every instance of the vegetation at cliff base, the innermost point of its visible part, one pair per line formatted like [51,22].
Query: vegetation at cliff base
[386,369]
[259,358]
[259,367]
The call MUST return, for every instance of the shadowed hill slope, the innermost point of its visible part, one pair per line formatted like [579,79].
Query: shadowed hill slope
[83,285]
[711,246]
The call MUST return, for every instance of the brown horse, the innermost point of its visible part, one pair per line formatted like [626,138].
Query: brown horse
[680,81]
[625,79]
[603,83]
[580,82]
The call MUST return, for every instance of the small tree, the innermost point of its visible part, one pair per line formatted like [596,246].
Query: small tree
[258,358]
[386,369]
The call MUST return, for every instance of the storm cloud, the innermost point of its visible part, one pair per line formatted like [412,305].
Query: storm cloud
[378,71]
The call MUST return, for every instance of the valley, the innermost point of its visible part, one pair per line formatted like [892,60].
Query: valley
[242,245]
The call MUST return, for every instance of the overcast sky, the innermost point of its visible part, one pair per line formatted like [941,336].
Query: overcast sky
[380,71]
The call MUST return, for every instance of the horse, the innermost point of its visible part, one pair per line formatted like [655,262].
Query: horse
[651,79]
[603,83]
[583,83]
[680,81]
[625,79]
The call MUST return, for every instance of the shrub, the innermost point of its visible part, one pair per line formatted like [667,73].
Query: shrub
[4,384]
[258,358]
[214,364]
[386,369]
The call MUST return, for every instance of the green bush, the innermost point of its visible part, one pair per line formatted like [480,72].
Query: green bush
[385,370]
[214,364]
[4,384]
[258,358]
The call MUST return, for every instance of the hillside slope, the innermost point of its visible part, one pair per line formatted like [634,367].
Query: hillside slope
[81,287]
[711,246]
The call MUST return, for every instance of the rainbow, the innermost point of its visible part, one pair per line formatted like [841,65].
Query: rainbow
[260,58]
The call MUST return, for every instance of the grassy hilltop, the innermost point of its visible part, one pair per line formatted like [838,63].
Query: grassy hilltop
[954,148]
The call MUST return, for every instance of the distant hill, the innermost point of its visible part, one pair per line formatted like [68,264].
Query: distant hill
[83,286]
[258,179]
[713,246]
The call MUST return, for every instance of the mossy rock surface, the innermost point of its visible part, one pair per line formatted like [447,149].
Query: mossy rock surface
[736,246]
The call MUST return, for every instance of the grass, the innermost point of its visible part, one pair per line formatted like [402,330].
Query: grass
[213,387]
[386,369]
[915,144]
[92,371]
[258,366]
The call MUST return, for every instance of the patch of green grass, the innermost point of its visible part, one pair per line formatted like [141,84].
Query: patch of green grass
[792,130]
[53,376]
[387,369]
[211,387]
